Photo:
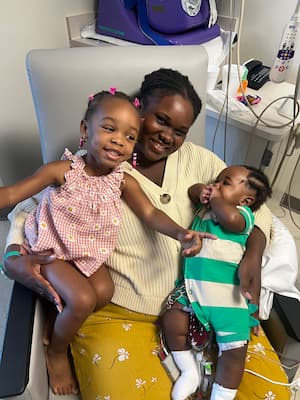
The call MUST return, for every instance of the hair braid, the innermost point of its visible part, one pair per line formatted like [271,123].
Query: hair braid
[96,100]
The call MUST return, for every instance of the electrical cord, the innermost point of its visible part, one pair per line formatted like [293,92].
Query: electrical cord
[297,110]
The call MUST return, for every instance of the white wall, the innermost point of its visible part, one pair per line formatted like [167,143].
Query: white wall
[25,25]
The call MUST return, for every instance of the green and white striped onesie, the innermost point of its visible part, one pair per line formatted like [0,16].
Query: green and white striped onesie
[211,279]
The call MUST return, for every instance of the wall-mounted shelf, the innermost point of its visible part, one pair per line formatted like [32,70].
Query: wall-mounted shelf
[75,23]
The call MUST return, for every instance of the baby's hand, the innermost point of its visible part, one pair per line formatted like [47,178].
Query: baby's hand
[192,242]
[214,191]
[205,194]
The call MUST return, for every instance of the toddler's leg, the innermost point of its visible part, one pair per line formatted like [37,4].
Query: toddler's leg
[103,286]
[79,301]
[230,368]
[175,324]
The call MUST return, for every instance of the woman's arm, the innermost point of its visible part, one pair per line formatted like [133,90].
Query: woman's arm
[25,269]
[250,266]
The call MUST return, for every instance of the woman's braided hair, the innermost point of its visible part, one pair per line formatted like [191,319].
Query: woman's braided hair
[166,81]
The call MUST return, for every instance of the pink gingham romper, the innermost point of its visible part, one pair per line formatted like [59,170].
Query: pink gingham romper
[79,220]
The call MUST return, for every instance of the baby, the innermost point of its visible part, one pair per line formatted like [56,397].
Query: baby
[210,288]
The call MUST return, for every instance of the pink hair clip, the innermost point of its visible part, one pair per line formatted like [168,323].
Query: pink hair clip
[112,90]
[91,97]
[136,102]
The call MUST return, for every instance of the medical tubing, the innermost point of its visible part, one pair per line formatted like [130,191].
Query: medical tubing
[225,103]
[289,135]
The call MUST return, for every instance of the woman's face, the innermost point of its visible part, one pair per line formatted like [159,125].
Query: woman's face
[166,123]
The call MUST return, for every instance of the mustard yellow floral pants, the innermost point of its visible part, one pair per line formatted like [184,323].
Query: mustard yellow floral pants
[116,358]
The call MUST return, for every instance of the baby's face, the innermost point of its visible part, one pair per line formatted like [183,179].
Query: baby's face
[232,183]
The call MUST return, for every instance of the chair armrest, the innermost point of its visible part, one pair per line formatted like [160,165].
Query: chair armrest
[15,360]
[288,310]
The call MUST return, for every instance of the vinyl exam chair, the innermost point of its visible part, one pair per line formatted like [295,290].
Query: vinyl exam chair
[61,81]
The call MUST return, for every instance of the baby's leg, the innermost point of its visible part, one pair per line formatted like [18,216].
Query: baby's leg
[103,286]
[175,325]
[230,368]
[79,301]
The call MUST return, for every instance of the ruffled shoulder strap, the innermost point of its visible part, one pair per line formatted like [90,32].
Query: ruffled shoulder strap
[77,161]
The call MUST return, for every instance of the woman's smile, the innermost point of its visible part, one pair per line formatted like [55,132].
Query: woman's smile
[158,146]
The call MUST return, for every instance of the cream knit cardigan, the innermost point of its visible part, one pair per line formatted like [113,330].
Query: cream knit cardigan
[145,264]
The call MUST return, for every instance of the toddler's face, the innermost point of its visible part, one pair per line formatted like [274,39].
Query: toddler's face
[112,133]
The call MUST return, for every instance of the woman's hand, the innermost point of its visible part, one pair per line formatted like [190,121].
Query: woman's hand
[26,269]
[191,241]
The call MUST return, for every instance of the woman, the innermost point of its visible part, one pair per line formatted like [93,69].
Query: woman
[116,351]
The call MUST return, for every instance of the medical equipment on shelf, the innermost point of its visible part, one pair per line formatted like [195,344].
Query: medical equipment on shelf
[167,22]
[286,51]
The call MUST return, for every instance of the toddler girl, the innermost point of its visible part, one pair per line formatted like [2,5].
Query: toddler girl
[79,218]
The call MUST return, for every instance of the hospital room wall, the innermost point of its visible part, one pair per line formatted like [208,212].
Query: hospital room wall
[26,25]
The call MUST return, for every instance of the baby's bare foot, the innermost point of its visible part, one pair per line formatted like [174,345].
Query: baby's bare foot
[61,378]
